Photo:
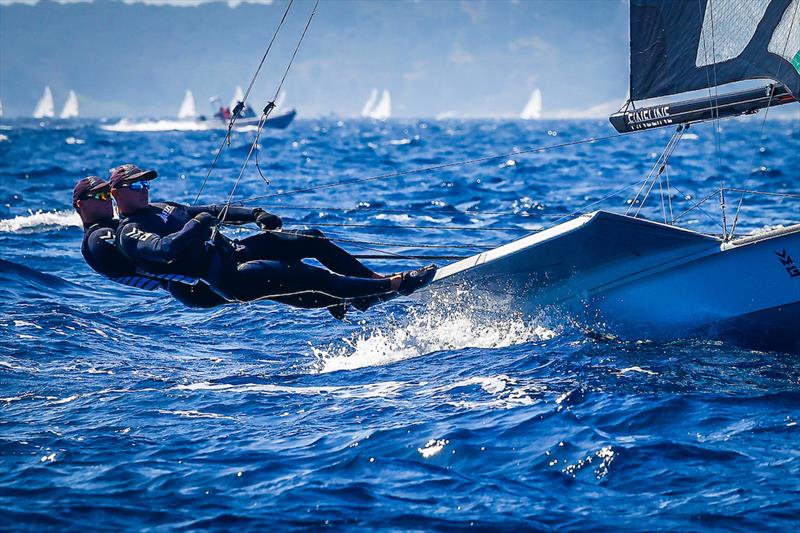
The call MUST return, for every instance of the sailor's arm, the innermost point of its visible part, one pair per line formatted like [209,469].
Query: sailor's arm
[239,215]
[142,245]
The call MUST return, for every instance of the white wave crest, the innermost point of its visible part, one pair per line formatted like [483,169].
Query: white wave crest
[40,221]
[125,125]
[435,327]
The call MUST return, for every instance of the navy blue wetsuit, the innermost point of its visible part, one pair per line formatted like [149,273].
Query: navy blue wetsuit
[101,253]
[165,238]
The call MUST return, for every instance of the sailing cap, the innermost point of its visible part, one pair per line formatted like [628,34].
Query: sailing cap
[129,173]
[89,184]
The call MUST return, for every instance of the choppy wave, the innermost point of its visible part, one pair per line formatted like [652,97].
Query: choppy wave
[40,221]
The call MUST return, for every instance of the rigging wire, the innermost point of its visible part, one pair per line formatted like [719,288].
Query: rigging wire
[265,114]
[239,108]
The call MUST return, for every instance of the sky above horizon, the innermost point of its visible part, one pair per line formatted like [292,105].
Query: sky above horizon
[475,58]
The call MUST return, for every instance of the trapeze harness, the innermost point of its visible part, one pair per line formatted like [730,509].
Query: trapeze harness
[101,254]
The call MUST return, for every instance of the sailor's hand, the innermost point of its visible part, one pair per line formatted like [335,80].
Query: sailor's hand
[268,221]
[206,220]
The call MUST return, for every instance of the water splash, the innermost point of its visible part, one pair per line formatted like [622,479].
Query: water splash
[40,221]
[432,328]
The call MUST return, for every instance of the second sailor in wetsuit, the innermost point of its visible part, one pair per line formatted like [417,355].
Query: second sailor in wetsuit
[91,198]
[170,238]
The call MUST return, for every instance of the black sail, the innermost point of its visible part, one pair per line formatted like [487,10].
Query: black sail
[679,46]
[685,45]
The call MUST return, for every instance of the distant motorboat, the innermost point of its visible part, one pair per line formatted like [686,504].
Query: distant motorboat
[248,117]
[533,109]
[45,107]
[187,110]
[70,109]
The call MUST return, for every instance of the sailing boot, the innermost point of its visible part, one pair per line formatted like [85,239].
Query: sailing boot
[414,280]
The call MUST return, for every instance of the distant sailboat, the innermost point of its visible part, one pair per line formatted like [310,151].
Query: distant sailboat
[370,103]
[45,107]
[70,109]
[187,110]
[381,110]
[533,109]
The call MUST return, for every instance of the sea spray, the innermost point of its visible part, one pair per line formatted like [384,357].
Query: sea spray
[435,326]
[40,220]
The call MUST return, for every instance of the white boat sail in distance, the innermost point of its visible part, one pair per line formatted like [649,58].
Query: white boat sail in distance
[45,107]
[378,109]
[187,110]
[370,103]
[70,109]
[633,278]
[533,109]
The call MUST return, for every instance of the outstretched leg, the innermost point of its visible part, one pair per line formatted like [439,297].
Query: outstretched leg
[301,244]
[284,279]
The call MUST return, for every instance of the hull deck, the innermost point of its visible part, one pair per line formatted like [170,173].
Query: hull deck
[644,279]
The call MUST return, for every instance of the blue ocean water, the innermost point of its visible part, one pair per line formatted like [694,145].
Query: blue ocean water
[122,409]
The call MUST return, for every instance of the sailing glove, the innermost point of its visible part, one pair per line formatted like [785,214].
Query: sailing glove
[268,221]
[206,220]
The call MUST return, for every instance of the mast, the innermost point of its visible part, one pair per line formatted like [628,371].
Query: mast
[672,51]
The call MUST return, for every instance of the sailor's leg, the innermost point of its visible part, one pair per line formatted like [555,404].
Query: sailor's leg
[302,244]
[272,279]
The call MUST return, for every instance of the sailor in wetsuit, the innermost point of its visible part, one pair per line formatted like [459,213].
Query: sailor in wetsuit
[91,198]
[170,238]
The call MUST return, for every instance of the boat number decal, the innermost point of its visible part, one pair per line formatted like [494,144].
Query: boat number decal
[788,262]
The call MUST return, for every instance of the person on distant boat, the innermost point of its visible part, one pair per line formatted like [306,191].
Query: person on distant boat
[91,198]
[171,238]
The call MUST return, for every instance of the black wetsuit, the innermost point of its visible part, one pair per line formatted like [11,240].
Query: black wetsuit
[101,253]
[165,238]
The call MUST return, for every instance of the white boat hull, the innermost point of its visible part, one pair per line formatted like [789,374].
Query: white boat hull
[641,279]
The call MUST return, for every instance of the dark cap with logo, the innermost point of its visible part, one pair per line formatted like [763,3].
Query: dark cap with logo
[88,185]
[129,173]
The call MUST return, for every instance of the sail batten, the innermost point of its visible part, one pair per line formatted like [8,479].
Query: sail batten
[682,46]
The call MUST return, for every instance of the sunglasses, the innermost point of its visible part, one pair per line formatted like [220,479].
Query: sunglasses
[103,196]
[137,185]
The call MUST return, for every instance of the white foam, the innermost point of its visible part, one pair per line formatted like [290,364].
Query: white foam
[194,414]
[403,218]
[435,327]
[126,125]
[40,221]
[372,390]
[432,447]
[505,392]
